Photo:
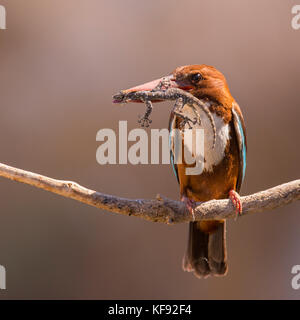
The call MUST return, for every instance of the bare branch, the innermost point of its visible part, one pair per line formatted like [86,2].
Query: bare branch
[162,209]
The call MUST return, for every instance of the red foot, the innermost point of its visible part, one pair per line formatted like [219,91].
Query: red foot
[190,204]
[236,201]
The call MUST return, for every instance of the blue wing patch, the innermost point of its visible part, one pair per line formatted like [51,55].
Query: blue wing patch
[241,141]
[171,152]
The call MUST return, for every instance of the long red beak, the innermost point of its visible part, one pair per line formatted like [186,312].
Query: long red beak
[148,86]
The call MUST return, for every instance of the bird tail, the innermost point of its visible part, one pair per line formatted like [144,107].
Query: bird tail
[206,252]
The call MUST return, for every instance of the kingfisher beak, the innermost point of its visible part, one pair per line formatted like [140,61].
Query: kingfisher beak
[148,86]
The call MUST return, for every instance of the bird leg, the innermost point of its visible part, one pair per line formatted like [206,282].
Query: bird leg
[236,201]
[145,120]
[190,204]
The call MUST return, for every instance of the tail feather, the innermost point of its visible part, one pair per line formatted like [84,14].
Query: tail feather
[206,252]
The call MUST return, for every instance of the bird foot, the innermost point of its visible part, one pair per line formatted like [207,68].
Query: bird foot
[190,204]
[236,201]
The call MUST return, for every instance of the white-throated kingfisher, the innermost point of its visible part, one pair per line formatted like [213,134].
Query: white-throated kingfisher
[224,160]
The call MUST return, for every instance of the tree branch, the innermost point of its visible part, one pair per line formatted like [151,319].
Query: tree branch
[162,209]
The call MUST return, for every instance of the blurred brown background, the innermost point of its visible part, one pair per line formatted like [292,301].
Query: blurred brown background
[60,63]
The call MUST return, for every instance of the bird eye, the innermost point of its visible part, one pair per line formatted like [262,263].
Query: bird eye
[196,77]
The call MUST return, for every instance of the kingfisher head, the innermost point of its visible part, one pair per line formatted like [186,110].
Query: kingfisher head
[202,81]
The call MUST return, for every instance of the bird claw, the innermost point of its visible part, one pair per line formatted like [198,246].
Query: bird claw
[190,204]
[237,202]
